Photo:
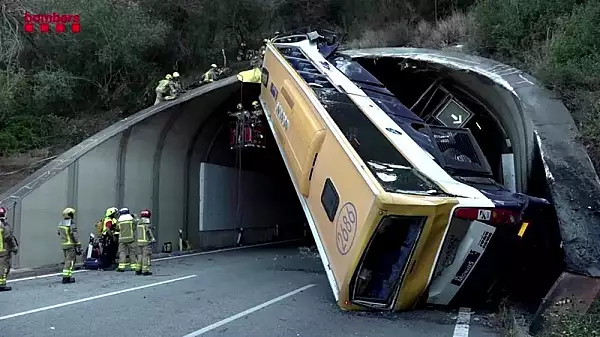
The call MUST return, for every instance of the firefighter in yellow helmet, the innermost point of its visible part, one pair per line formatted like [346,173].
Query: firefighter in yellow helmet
[177,84]
[144,239]
[263,48]
[8,246]
[69,237]
[165,89]
[211,74]
[256,109]
[126,225]
[242,52]
[109,243]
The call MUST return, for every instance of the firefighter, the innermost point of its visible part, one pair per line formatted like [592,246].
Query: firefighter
[237,130]
[178,88]
[258,138]
[108,238]
[165,89]
[145,239]
[67,230]
[8,246]
[263,48]
[211,74]
[239,111]
[256,109]
[126,226]
[242,52]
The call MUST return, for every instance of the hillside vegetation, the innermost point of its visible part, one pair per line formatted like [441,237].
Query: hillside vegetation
[56,89]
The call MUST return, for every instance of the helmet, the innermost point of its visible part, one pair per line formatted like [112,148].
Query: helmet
[124,210]
[213,65]
[68,212]
[265,41]
[239,106]
[145,213]
[3,212]
[111,212]
[168,77]
[175,74]
[255,104]
[243,44]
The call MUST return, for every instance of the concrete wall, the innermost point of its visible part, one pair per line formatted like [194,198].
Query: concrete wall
[149,160]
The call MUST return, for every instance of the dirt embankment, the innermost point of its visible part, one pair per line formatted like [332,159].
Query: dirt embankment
[15,168]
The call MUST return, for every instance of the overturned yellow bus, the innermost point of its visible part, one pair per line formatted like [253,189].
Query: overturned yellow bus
[392,227]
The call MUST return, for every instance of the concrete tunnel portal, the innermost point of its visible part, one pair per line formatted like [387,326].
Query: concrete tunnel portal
[174,159]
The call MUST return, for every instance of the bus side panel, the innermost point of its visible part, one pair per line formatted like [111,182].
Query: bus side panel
[305,135]
[297,125]
[354,201]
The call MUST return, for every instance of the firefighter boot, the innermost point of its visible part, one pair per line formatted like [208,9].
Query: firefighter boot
[138,272]
[147,273]
[5,288]
[66,280]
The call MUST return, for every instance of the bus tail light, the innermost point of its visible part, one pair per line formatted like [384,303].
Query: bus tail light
[496,216]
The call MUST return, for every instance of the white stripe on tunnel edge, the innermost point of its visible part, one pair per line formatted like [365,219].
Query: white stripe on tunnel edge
[162,259]
[247,312]
[23,313]
[462,323]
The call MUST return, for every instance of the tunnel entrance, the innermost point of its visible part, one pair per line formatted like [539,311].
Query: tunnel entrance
[429,92]
[520,269]
[246,195]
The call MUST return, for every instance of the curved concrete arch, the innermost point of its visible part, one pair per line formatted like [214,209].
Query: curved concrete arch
[129,163]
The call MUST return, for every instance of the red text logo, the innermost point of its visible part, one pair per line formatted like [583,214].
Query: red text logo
[58,23]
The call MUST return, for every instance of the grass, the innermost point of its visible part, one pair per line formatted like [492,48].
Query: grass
[574,324]
[452,30]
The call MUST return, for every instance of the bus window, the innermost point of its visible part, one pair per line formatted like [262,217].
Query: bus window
[330,199]
[394,172]
[386,258]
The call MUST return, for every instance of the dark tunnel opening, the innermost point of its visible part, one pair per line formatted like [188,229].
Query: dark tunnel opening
[261,195]
[427,88]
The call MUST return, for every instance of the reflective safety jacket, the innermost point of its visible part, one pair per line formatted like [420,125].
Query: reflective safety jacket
[163,85]
[209,76]
[125,226]
[177,86]
[67,230]
[8,242]
[144,235]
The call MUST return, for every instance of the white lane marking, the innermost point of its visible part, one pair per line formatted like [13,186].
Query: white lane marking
[42,276]
[246,312]
[160,259]
[94,298]
[462,323]
[222,250]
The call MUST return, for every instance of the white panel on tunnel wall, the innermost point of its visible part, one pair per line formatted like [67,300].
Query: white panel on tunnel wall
[97,173]
[261,203]
[41,212]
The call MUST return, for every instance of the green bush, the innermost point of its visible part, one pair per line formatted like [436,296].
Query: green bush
[509,29]
[574,53]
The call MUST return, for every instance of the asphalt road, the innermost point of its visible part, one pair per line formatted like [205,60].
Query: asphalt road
[267,291]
